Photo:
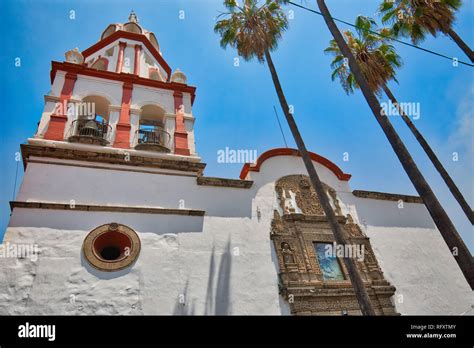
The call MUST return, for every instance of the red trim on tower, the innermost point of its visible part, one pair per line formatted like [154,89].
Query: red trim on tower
[136,63]
[132,36]
[292,152]
[57,122]
[122,131]
[180,135]
[123,77]
[119,66]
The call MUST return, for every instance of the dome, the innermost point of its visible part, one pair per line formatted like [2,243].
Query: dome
[131,26]
[178,77]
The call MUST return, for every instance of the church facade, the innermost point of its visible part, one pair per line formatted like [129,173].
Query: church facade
[115,214]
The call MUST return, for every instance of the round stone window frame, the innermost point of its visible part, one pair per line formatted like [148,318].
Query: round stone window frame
[94,258]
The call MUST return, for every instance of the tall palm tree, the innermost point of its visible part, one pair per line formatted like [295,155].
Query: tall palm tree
[378,61]
[254,30]
[416,18]
[442,221]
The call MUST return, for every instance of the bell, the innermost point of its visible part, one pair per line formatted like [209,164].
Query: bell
[91,125]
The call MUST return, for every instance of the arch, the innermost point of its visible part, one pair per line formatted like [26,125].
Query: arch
[141,104]
[101,64]
[152,113]
[84,94]
[100,105]
[292,152]
[132,28]
[108,31]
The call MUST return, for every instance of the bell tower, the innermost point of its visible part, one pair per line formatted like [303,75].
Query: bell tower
[119,95]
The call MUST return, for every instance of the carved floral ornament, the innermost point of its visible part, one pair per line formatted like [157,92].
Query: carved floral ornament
[111,247]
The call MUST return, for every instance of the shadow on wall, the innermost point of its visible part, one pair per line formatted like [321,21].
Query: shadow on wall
[218,297]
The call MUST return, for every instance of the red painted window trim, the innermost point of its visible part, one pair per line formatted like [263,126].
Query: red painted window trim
[292,152]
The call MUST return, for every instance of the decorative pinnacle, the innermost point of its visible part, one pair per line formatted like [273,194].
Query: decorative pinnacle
[133,17]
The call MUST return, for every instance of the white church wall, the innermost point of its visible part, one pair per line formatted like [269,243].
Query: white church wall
[56,183]
[57,85]
[49,107]
[222,263]
[143,95]
[225,267]
[88,86]
[276,167]
[418,262]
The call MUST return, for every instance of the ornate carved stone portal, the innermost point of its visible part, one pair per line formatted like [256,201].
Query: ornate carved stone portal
[313,276]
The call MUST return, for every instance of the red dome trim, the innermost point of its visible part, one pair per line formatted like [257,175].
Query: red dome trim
[292,152]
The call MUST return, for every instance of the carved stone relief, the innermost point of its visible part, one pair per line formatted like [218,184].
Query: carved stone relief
[295,233]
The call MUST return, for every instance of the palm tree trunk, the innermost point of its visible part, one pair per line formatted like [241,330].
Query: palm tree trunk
[461,44]
[434,159]
[359,288]
[443,223]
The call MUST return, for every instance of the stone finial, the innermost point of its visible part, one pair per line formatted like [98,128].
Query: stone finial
[133,17]
[74,56]
[179,77]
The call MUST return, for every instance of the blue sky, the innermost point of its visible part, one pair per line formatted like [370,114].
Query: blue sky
[234,105]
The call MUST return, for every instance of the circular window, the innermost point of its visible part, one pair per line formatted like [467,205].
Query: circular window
[111,247]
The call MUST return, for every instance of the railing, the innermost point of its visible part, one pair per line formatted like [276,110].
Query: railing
[155,139]
[89,131]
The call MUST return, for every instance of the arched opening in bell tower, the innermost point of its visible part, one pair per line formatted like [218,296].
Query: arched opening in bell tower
[91,124]
[151,134]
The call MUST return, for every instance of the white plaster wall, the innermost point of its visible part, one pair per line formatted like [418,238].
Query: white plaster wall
[87,86]
[56,183]
[276,167]
[418,262]
[58,83]
[187,104]
[223,263]
[112,59]
[49,107]
[143,95]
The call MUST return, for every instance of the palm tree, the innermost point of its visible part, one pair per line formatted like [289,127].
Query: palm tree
[254,30]
[416,18]
[378,61]
[452,238]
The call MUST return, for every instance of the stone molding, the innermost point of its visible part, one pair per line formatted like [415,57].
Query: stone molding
[387,196]
[105,208]
[222,182]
